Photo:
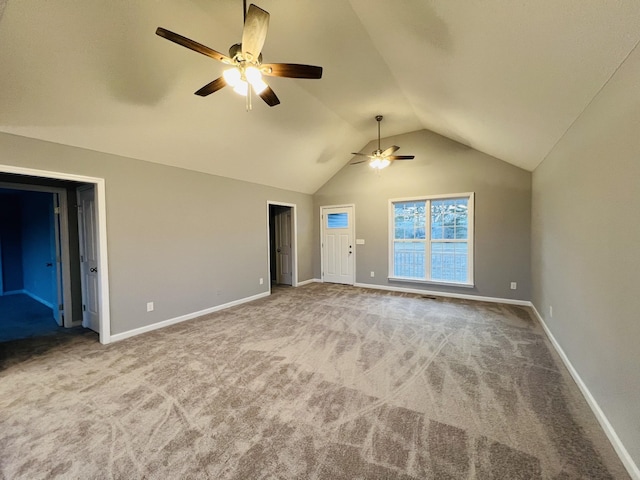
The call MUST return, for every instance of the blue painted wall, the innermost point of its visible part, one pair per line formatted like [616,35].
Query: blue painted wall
[38,246]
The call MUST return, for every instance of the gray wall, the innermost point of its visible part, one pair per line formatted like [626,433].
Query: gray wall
[502,210]
[586,260]
[186,241]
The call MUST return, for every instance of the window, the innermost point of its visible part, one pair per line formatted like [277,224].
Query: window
[432,239]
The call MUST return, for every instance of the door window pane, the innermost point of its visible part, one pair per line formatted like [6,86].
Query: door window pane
[338,220]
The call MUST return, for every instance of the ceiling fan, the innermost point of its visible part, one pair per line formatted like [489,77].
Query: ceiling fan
[245,60]
[380,159]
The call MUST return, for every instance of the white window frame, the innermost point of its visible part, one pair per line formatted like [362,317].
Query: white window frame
[470,238]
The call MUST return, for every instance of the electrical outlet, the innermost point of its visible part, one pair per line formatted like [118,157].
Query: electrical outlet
[261,281]
[373,274]
[550,311]
[149,306]
[514,285]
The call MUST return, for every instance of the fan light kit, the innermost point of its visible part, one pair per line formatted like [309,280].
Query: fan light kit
[382,159]
[246,71]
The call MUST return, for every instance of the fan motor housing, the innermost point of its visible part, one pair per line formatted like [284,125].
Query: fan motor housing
[235,52]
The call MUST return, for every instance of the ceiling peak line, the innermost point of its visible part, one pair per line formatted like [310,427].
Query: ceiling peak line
[602,87]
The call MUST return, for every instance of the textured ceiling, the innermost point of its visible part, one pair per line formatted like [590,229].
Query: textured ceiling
[506,78]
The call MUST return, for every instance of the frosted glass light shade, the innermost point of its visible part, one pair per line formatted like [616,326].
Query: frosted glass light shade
[232,76]
[241,88]
[379,163]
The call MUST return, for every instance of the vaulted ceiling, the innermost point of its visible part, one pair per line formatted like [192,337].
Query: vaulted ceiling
[506,78]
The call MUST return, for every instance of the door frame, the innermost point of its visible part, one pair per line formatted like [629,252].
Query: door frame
[353,235]
[63,263]
[294,242]
[101,212]
[82,231]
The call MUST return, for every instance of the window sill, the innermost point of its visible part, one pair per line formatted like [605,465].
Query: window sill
[431,282]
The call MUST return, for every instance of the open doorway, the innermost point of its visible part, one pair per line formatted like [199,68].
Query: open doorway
[282,244]
[34,261]
[65,296]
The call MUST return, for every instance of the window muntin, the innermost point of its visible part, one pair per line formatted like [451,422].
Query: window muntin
[432,239]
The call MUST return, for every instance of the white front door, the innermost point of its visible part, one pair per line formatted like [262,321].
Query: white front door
[88,258]
[338,231]
[283,247]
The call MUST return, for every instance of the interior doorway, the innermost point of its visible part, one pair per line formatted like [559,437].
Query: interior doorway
[66,186]
[282,244]
[35,261]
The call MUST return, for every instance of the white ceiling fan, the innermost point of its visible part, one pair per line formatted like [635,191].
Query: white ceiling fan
[380,159]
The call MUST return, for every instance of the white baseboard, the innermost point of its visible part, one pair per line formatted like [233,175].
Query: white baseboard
[524,303]
[627,461]
[307,282]
[183,318]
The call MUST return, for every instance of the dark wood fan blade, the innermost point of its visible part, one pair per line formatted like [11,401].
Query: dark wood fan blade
[254,33]
[269,97]
[291,70]
[191,45]
[361,154]
[356,163]
[211,87]
[390,150]
[401,157]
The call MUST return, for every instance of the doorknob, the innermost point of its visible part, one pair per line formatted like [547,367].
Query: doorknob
[278,250]
[49,264]
[93,270]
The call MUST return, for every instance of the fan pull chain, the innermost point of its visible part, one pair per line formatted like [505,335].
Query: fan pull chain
[249,91]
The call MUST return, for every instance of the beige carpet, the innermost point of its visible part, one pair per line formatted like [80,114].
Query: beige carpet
[317,382]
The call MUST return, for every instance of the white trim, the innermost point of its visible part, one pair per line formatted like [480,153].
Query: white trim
[617,444]
[103,270]
[430,282]
[432,197]
[352,224]
[307,282]
[294,242]
[510,301]
[183,318]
